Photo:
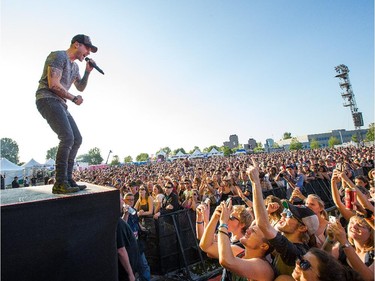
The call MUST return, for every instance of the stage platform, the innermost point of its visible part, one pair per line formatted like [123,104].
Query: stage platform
[47,236]
[29,194]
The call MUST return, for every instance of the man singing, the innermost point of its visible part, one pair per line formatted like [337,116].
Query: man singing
[59,73]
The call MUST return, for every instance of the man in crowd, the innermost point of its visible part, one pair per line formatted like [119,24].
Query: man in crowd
[127,250]
[170,201]
[15,183]
[297,224]
[137,228]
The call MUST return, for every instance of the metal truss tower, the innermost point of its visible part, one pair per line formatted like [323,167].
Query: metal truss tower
[348,96]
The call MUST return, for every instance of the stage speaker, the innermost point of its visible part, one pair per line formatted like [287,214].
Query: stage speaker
[59,237]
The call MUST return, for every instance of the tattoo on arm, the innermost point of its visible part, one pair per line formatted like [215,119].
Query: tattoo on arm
[81,84]
[54,76]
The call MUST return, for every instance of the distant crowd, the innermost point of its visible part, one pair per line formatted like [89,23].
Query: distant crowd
[258,237]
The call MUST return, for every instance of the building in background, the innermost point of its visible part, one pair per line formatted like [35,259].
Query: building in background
[232,143]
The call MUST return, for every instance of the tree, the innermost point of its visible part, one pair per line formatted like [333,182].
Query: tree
[9,150]
[275,145]
[115,160]
[355,138]
[295,144]
[208,149]
[142,157]
[51,153]
[167,150]
[195,148]
[227,151]
[287,136]
[259,148]
[128,159]
[314,144]
[333,141]
[177,150]
[93,157]
[370,132]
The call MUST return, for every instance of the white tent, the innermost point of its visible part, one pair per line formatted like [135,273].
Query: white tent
[50,162]
[179,155]
[10,170]
[215,152]
[30,166]
[197,154]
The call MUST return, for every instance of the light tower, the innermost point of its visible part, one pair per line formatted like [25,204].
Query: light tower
[348,96]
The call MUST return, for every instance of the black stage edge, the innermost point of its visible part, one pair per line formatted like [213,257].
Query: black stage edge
[59,237]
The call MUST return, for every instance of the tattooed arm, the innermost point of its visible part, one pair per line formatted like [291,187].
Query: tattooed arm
[54,76]
[82,83]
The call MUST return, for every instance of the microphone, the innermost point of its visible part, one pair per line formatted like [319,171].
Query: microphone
[93,64]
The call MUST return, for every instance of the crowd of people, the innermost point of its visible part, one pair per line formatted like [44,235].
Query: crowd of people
[257,237]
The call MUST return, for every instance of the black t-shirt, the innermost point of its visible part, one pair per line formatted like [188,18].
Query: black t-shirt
[287,253]
[125,238]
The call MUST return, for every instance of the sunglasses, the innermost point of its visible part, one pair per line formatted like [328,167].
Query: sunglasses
[142,189]
[168,186]
[303,264]
[289,215]
[232,218]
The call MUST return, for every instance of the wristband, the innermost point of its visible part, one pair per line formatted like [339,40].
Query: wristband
[199,222]
[330,241]
[227,234]
[223,225]
[346,245]
[74,100]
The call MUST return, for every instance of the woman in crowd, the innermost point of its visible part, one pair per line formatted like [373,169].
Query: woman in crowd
[192,201]
[227,188]
[157,195]
[251,263]
[144,204]
[315,203]
[356,248]
[239,220]
[318,265]
[274,208]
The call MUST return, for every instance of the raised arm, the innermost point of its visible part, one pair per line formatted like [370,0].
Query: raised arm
[252,269]
[347,214]
[82,82]
[260,212]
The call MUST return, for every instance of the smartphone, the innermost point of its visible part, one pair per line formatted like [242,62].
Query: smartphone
[228,201]
[332,219]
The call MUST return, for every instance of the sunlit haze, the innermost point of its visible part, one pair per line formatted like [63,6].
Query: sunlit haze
[189,73]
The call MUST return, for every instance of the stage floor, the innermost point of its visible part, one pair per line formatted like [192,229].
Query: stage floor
[13,196]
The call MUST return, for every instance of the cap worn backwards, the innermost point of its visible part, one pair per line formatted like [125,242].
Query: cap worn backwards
[85,40]
[306,215]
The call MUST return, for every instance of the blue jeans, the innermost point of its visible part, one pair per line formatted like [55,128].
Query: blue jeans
[144,268]
[63,124]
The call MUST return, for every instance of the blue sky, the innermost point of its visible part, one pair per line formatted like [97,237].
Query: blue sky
[189,73]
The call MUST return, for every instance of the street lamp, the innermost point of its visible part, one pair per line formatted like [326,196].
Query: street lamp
[110,151]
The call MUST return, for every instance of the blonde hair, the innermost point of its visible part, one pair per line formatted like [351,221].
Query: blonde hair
[245,216]
[369,244]
[323,212]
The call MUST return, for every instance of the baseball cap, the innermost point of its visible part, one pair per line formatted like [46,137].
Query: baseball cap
[85,40]
[304,214]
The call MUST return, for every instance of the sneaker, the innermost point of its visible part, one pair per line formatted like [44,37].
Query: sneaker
[63,188]
[72,183]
